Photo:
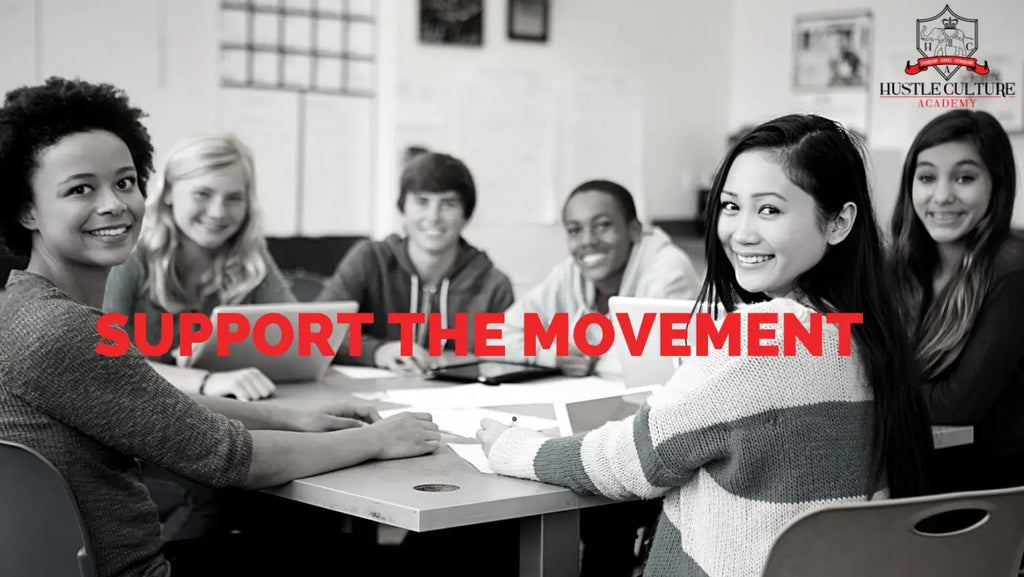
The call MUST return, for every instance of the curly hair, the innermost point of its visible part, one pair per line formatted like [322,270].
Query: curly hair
[36,117]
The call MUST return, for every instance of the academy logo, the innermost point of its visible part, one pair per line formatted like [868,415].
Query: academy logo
[947,41]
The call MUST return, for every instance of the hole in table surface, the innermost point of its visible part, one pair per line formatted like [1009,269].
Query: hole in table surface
[436,488]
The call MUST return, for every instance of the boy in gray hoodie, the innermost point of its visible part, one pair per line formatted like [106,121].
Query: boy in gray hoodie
[430,270]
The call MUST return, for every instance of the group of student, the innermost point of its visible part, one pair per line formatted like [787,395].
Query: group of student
[735,446]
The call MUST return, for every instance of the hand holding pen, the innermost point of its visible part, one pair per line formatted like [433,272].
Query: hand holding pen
[489,432]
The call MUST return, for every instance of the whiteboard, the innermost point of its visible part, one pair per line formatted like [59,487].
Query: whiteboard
[338,165]
[268,122]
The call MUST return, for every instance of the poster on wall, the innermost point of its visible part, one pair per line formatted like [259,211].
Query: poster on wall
[458,22]
[832,51]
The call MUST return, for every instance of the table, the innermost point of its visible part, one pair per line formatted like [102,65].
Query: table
[441,490]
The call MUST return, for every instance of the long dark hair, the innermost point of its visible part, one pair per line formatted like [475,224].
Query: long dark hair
[941,331]
[827,162]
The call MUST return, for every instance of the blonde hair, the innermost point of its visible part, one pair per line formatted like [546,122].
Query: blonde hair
[238,266]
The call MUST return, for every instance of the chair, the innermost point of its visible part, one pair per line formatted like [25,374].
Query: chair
[7,264]
[306,287]
[317,256]
[954,535]
[41,531]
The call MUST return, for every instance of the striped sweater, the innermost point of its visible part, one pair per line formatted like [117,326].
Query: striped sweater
[738,446]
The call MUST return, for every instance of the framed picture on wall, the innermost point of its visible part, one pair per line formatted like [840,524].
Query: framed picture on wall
[452,22]
[832,51]
[528,20]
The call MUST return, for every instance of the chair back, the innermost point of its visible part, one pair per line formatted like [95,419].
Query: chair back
[306,287]
[41,531]
[7,264]
[951,535]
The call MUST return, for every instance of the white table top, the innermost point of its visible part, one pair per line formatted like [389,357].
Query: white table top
[385,491]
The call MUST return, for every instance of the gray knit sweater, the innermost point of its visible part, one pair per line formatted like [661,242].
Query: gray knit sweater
[92,416]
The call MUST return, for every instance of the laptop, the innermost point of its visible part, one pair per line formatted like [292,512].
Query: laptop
[584,415]
[289,366]
[650,367]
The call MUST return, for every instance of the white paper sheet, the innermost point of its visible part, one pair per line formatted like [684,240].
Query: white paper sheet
[466,422]
[477,395]
[364,373]
[474,455]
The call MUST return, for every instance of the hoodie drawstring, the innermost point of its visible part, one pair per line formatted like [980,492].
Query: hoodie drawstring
[414,294]
[420,332]
[444,307]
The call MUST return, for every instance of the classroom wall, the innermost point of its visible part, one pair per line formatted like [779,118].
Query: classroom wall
[162,53]
[165,55]
[761,84]
[666,50]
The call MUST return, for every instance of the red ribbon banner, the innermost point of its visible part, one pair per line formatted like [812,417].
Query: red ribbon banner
[970,63]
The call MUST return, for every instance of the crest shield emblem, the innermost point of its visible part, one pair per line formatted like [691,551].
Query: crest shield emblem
[947,34]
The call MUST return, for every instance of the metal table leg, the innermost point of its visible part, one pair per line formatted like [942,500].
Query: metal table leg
[549,545]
